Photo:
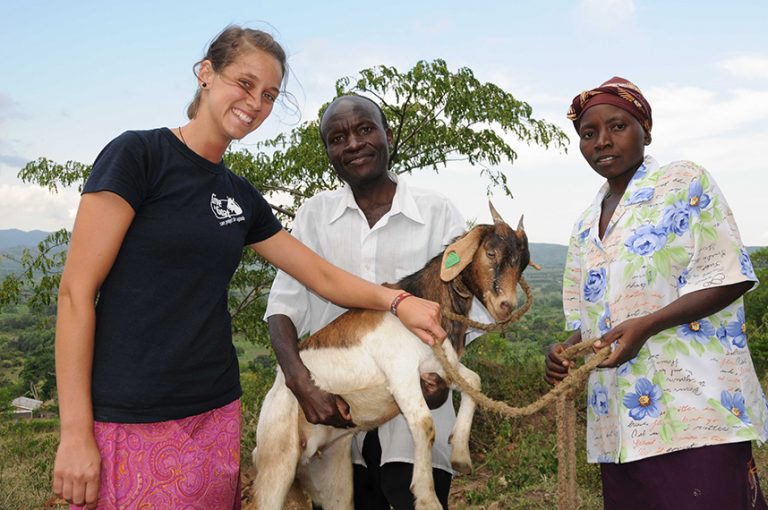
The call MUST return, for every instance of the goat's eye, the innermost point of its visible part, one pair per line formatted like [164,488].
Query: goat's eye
[491,254]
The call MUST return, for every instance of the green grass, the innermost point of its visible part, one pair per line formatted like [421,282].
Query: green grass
[27,451]
[514,460]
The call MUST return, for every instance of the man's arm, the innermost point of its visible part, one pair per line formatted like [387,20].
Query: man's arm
[318,406]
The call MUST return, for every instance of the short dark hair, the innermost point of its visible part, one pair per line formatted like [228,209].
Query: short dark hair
[384,122]
[381,112]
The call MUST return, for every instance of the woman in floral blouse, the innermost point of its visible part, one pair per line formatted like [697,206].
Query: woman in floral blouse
[656,270]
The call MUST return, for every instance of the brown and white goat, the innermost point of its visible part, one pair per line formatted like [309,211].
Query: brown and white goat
[372,361]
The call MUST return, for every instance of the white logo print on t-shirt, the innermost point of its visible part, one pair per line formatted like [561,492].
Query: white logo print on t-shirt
[226,209]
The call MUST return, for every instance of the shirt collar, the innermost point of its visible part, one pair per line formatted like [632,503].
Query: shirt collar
[402,203]
[645,177]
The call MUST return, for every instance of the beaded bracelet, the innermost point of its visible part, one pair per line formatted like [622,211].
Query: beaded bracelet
[397,300]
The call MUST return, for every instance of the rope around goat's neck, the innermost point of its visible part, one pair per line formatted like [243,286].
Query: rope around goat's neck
[496,326]
[562,394]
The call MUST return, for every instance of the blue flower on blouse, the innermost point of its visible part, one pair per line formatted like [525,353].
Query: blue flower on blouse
[697,199]
[646,240]
[676,218]
[641,195]
[735,404]
[722,337]
[625,368]
[738,329]
[574,325]
[598,399]
[701,331]
[645,401]
[605,321]
[583,235]
[640,172]
[746,265]
[594,287]
[682,280]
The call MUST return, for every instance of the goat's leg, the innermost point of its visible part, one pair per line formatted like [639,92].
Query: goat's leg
[407,393]
[277,453]
[460,459]
[327,476]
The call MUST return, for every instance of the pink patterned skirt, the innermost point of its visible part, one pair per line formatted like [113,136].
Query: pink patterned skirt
[193,462]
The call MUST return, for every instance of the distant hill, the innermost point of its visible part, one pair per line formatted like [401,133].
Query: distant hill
[12,244]
[14,238]
[548,255]
[551,257]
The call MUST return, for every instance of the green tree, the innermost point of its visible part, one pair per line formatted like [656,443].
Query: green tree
[437,116]
[756,311]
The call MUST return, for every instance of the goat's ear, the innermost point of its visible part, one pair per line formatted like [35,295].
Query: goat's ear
[459,254]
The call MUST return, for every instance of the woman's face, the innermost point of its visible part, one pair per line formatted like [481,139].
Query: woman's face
[612,141]
[240,97]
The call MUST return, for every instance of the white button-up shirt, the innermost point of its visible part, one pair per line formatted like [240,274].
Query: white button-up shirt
[420,224]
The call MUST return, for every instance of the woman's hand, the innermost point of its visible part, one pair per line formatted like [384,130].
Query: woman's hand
[422,317]
[555,366]
[630,336]
[77,470]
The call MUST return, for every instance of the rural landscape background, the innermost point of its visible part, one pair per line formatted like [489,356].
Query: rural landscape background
[515,464]
[477,93]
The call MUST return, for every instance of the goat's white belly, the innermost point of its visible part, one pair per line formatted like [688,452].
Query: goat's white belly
[361,374]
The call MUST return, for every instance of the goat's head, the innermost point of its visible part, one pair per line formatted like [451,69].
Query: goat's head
[488,261]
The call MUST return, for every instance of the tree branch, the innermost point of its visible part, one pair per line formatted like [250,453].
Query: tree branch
[282,210]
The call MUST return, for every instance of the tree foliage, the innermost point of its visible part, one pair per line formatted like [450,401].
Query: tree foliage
[437,116]
[756,311]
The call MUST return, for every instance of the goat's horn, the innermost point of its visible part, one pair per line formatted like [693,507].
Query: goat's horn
[520,232]
[497,219]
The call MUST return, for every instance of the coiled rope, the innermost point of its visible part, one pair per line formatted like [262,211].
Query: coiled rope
[561,395]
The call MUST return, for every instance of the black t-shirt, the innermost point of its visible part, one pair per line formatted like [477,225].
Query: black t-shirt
[163,347]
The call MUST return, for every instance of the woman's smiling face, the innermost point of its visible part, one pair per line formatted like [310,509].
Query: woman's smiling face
[241,96]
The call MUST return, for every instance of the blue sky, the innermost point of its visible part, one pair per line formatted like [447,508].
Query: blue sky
[77,73]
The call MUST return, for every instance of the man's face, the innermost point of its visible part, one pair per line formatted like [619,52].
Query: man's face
[356,141]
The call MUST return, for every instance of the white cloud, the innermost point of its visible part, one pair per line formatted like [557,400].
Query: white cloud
[8,108]
[604,14]
[747,66]
[29,207]
[691,115]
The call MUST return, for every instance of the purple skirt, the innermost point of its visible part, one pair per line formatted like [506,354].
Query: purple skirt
[189,463]
[720,477]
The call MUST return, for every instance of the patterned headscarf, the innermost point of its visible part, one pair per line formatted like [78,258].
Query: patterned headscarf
[617,92]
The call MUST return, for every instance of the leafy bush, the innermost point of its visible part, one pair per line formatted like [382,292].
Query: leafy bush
[517,458]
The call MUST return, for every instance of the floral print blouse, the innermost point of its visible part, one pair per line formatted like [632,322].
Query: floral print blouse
[692,385]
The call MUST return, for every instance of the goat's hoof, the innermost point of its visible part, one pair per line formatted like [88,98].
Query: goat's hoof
[462,466]
[431,503]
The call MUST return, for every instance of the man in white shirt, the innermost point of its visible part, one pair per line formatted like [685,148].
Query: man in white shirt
[379,229]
